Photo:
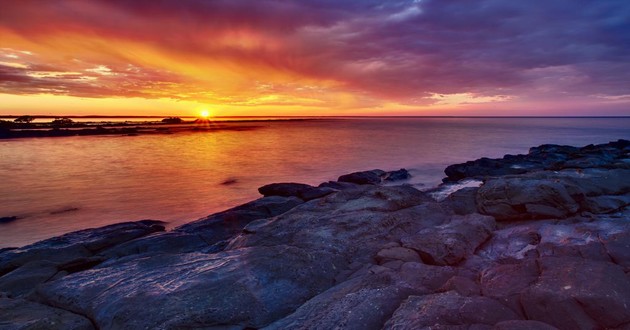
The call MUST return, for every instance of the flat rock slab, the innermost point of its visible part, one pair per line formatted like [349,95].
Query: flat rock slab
[450,243]
[290,189]
[246,287]
[573,293]
[22,314]
[448,309]
[76,245]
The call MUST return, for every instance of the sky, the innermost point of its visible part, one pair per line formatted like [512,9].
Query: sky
[315,57]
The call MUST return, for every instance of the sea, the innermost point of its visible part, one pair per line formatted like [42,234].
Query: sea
[62,184]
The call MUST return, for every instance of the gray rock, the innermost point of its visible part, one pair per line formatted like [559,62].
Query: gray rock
[523,325]
[315,193]
[462,285]
[450,243]
[226,224]
[302,191]
[506,282]
[22,314]
[365,177]
[168,242]
[364,302]
[398,175]
[23,280]
[424,278]
[514,198]
[573,293]
[338,185]
[544,157]
[249,287]
[463,201]
[397,253]
[617,245]
[76,245]
[448,309]
[606,203]
[360,256]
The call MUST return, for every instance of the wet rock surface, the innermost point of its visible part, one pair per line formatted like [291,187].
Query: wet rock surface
[543,243]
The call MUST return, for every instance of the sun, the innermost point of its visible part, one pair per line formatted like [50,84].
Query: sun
[204,113]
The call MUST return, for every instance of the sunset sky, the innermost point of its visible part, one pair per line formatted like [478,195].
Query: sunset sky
[315,57]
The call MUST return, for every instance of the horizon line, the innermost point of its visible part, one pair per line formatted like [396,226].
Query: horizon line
[307,116]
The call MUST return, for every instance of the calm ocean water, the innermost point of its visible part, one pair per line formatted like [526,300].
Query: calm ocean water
[57,185]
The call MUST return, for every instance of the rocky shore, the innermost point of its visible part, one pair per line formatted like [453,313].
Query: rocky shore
[542,243]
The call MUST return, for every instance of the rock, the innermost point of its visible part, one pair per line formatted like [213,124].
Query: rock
[24,279]
[481,168]
[424,278]
[338,185]
[76,245]
[448,309]
[573,293]
[359,303]
[523,325]
[617,246]
[248,287]
[365,177]
[8,219]
[283,189]
[316,193]
[168,242]
[506,282]
[359,256]
[22,314]
[302,191]
[462,285]
[351,223]
[606,203]
[399,175]
[544,157]
[516,242]
[514,198]
[223,225]
[463,201]
[450,243]
[397,253]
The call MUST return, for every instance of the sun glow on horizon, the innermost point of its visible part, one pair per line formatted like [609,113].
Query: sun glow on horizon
[204,113]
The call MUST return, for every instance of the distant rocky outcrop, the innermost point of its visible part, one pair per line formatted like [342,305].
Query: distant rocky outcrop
[545,248]
[547,157]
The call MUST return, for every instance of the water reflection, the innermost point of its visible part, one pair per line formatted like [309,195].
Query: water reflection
[185,176]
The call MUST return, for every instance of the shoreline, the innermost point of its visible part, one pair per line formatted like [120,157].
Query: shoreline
[11,130]
[542,243]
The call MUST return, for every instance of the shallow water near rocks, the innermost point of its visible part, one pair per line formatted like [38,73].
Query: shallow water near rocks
[57,185]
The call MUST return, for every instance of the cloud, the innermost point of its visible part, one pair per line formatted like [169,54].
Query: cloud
[402,51]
